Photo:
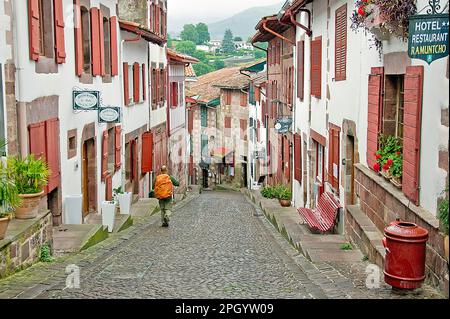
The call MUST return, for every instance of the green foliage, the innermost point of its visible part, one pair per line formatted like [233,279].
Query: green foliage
[268,192]
[9,195]
[45,254]
[227,43]
[203,33]
[30,174]
[219,64]
[283,192]
[186,47]
[278,192]
[259,54]
[202,68]
[3,143]
[237,39]
[389,156]
[346,246]
[170,43]
[443,212]
[189,33]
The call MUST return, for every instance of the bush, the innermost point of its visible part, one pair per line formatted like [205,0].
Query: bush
[443,212]
[278,192]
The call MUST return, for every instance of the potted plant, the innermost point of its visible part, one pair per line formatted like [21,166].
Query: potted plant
[396,169]
[30,176]
[9,199]
[284,196]
[443,216]
[108,214]
[124,199]
[390,150]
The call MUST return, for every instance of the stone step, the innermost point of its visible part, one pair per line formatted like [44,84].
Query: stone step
[121,222]
[74,238]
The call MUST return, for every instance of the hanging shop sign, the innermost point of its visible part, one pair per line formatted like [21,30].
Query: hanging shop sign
[109,114]
[283,124]
[428,37]
[86,100]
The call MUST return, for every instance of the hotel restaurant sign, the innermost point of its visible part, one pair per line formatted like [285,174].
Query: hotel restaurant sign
[428,37]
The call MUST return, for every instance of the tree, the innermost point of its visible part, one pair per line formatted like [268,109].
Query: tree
[227,43]
[189,33]
[186,47]
[203,33]
[237,39]
[259,54]
[219,64]
[202,68]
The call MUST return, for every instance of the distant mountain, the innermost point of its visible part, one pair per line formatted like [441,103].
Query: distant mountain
[242,24]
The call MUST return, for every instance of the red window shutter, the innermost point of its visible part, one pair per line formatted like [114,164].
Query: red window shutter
[174,95]
[158,19]
[300,69]
[37,139]
[227,122]
[95,42]
[126,91]
[144,83]
[298,157]
[104,155]
[108,188]
[147,152]
[34,29]
[243,123]
[412,124]
[340,53]
[191,165]
[101,33]
[53,153]
[243,99]
[79,59]
[316,67]
[136,82]
[287,159]
[190,121]
[257,94]
[333,157]
[60,47]
[376,79]
[118,147]
[114,47]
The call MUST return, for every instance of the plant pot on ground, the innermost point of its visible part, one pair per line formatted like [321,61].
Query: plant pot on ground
[284,196]
[4,222]
[443,217]
[9,198]
[30,177]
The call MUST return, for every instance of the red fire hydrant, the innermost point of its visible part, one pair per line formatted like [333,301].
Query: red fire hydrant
[405,245]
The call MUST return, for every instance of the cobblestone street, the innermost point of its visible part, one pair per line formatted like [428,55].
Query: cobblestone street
[218,246]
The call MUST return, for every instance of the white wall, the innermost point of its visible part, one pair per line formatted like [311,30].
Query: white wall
[158,55]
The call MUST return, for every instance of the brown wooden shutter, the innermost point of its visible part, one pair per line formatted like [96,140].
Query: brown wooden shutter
[174,94]
[227,122]
[136,76]
[243,125]
[287,159]
[79,58]
[60,47]
[376,79]
[34,29]
[243,99]
[37,139]
[101,33]
[114,46]
[340,48]
[126,90]
[147,152]
[412,124]
[316,67]
[52,153]
[144,83]
[300,69]
[108,188]
[95,42]
[104,155]
[298,157]
[118,147]
[333,157]
[257,94]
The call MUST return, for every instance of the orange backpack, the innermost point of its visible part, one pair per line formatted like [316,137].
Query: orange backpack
[163,186]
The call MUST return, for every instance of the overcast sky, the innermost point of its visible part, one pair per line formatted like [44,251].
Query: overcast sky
[187,11]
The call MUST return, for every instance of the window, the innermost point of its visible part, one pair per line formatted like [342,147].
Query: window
[393,106]
[130,83]
[174,94]
[316,67]
[41,27]
[243,97]
[107,45]
[227,97]
[340,50]
[180,93]
[71,143]
[111,149]
[204,116]
[319,162]
[86,39]
[298,158]
[128,161]
[154,87]
[162,85]
[300,69]
[333,156]
[243,124]
[204,145]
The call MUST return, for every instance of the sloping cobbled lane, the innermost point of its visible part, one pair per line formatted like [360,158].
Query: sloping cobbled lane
[215,247]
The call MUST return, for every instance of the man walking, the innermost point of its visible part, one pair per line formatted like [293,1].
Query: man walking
[163,189]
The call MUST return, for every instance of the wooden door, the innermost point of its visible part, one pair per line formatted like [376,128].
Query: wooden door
[84,179]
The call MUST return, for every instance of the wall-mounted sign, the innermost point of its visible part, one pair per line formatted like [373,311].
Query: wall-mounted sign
[428,37]
[86,100]
[283,124]
[109,114]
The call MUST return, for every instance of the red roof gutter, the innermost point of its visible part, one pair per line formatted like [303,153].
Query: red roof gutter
[276,34]
[294,22]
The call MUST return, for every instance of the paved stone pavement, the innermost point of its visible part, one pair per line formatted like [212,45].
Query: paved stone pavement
[218,245]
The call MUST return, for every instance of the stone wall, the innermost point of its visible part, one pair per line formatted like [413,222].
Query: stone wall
[383,203]
[22,244]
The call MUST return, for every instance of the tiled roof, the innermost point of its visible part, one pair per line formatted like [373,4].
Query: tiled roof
[189,72]
[179,57]
[207,88]
[140,30]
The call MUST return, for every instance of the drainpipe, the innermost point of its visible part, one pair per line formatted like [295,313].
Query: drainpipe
[294,22]
[276,34]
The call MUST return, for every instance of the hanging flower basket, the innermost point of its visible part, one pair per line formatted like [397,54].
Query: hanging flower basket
[380,32]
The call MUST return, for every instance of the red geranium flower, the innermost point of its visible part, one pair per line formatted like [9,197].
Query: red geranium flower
[378,156]
[361,11]
[399,153]
[390,162]
[386,167]
[376,167]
